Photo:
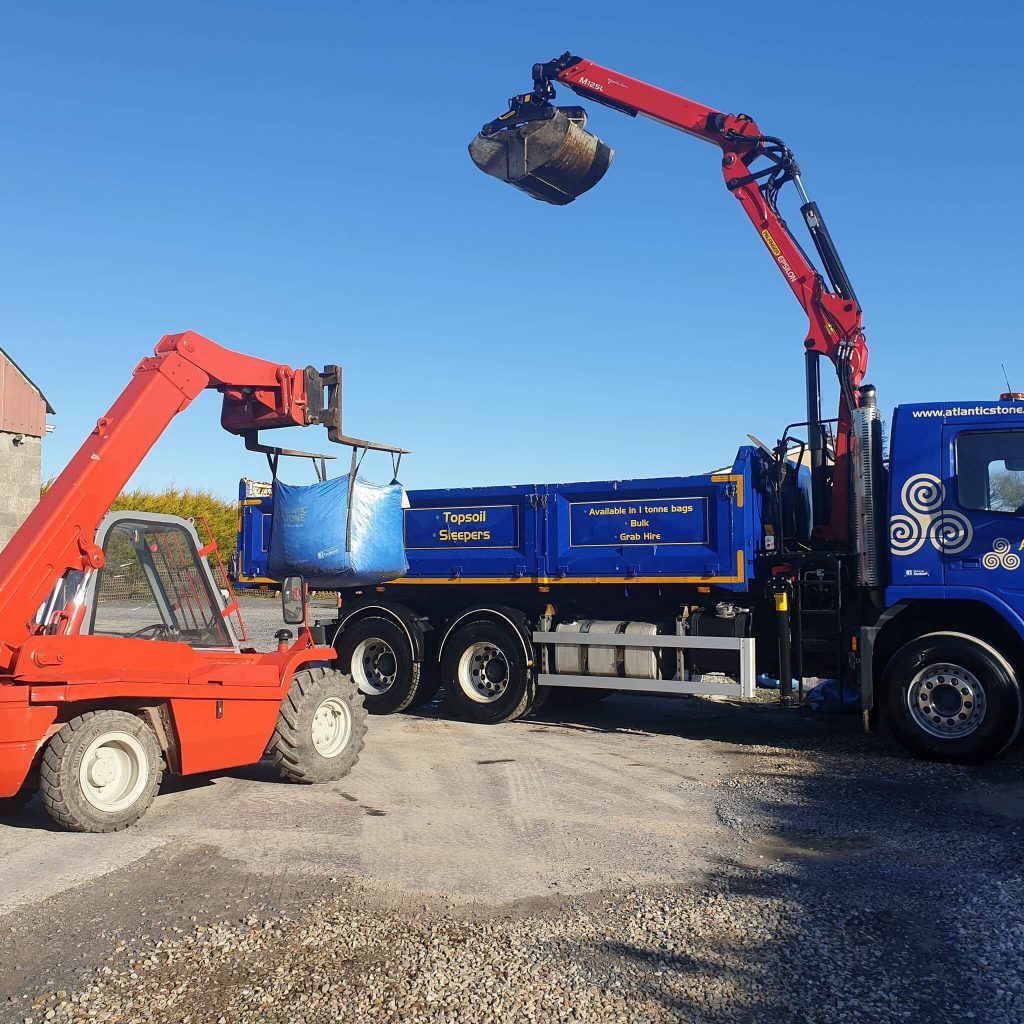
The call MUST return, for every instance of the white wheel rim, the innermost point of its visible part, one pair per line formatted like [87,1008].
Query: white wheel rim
[374,666]
[483,673]
[332,727]
[114,772]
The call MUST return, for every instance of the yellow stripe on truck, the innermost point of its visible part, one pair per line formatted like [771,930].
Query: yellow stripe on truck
[549,581]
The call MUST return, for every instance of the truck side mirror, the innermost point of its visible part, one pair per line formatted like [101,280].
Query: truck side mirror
[293,600]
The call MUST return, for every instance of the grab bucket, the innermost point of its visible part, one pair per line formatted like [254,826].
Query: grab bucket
[555,159]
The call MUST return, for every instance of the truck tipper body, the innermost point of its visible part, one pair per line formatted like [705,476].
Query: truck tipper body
[696,584]
[669,531]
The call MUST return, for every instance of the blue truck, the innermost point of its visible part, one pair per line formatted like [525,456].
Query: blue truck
[697,584]
[897,573]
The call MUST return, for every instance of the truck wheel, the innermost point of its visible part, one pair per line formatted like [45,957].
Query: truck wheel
[320,728]
[950,697]
[101,772]
[485,676]
[378,656]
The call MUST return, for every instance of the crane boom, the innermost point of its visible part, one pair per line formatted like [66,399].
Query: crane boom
[834,318]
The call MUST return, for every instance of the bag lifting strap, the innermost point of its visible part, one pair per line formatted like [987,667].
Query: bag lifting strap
[357,461]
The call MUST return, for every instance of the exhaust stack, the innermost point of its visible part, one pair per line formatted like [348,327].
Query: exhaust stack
[868,489]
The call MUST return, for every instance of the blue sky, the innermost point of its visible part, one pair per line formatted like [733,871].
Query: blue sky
[292,181]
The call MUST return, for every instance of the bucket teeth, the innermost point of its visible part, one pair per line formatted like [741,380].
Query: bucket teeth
[555,160]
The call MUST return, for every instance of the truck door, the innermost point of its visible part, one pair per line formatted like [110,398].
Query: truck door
[985,549]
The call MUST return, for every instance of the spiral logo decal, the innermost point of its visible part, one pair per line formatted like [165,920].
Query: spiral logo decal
[924,519]
[950,532]
[922,494]
[1001,556]
[906,535]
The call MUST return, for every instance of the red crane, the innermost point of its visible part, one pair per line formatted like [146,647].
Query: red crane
[834,318]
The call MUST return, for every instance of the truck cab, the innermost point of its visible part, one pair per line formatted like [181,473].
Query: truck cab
[956,504]
[949,645]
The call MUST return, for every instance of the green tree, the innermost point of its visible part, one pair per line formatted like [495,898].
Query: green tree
[221,515]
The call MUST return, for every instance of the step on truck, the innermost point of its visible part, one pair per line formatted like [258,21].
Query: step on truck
[896,572]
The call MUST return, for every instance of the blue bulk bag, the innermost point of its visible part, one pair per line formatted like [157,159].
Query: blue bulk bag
[337,538]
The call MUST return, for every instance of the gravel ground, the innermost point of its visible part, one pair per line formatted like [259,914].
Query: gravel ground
[823,877]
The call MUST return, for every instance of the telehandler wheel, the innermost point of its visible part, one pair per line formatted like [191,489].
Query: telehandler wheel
[380,658]
[101,772]
[950,697]
[486,678]
[320,727]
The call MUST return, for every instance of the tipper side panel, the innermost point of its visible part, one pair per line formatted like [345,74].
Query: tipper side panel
[691,530]
[696,529]
[488,534]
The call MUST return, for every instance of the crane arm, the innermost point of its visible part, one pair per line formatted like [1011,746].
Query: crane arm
[834,317]
[60,532]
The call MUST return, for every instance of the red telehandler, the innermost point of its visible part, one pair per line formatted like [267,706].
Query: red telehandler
[118,657]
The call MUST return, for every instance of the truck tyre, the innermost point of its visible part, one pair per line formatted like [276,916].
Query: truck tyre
[430,683]
[485,676]
[100,772]
[320,728]
[949,697]
[378,656]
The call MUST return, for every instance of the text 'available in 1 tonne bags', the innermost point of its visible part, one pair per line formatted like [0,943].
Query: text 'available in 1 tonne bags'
[318,532]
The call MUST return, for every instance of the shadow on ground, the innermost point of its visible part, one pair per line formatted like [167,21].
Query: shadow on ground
[865,887]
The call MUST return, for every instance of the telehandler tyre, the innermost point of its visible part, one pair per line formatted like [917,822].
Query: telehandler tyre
[101,772]
[320,727]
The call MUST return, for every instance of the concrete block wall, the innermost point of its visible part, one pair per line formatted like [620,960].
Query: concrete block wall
[20,469]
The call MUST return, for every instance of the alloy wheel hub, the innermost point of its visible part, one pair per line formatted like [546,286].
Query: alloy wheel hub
[483,673]
[946,701]
[374,666]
